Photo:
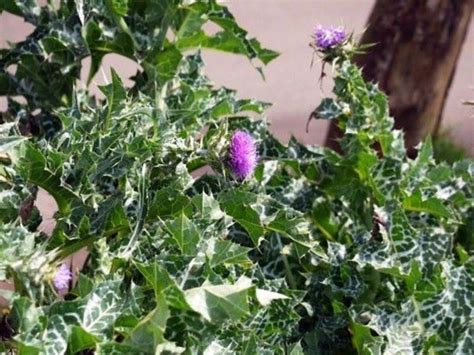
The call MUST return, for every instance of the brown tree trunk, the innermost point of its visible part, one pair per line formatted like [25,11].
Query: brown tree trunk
[416,47]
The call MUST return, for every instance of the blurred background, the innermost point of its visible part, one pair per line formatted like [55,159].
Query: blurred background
[291,84]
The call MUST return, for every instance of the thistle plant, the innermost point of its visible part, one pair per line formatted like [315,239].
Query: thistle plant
[318,253]
[327,37]
[62,278]
[242,154]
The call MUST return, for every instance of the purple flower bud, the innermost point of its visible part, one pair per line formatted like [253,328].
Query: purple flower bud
[326,37]
[62,278]
[242,154]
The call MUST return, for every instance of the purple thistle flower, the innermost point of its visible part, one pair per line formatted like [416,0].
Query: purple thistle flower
[61,278]
[326,37]
[242,154]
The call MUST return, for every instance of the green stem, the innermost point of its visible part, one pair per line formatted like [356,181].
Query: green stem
[120,22]
[289,274]
[142,211]
[324,231]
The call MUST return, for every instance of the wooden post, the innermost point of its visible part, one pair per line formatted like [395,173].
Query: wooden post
[416,46]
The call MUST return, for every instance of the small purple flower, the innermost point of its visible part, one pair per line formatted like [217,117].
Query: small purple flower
[326,37]
[242,154]
[62,278]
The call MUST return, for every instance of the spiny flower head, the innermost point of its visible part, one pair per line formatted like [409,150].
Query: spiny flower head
[62,278]
[242,154]
[326,37]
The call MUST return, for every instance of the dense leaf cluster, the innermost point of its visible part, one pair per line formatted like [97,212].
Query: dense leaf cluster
[365,252]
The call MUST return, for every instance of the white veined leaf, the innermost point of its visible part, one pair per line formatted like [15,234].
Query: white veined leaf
[215,348]
[55,336]
[102,308]
[265,297]
[216,303]
[445,317]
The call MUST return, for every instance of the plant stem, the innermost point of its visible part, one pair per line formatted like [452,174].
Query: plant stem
[289,274]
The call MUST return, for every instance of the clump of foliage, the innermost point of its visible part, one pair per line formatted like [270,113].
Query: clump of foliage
[316,252]
[445,150]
